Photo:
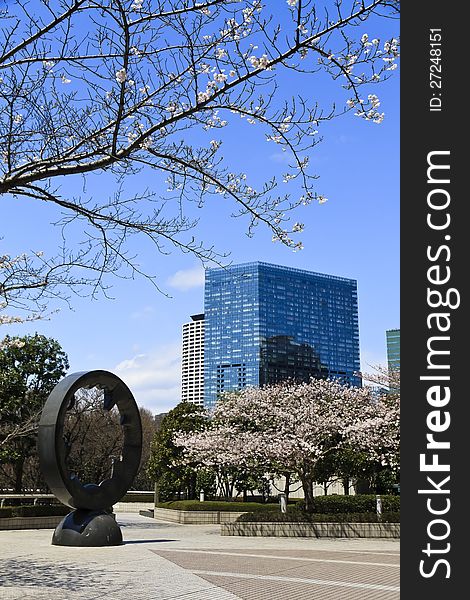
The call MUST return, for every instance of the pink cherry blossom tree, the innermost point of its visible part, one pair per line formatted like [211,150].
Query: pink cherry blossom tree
[379,430]
[382,377]
[292,426]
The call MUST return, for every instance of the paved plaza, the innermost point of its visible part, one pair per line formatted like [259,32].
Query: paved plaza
[163,561]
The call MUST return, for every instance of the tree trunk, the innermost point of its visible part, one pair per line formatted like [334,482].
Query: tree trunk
[18,467]
[346,486]
[192,487]
[307,486]
[156,494]
[227,488]
[363,486]
[287,486]
[231,488]
[325,489]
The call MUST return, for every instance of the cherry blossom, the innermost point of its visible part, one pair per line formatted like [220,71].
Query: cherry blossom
[150,78]
[137,4]
[293,425]
[121,75]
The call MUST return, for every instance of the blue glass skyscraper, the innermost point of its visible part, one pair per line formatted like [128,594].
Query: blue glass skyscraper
[266,323]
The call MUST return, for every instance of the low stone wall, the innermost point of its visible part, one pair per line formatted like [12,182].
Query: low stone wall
[30,522]
[132,507]
[196,517]
[336,530]
[227,516]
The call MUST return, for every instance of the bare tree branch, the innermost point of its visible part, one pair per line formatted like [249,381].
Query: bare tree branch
[122,87]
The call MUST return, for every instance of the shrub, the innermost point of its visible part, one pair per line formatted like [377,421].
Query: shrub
[41,511]
[216,505]
[362,503]
[297,516]
[34,511]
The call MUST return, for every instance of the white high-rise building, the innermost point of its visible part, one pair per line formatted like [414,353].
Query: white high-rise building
[192,384]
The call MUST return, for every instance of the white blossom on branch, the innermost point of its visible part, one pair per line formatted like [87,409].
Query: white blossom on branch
[118,88]
[292,426]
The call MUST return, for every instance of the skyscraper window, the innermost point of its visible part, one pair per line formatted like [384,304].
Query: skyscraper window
[277,323]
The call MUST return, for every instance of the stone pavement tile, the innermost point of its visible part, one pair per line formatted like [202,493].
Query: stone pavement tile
[264,589]
[48,572]
[301,571]
[259,563]
[149,578]
[214,562]
[31,568]
[208,536]
[369,576]
[349,555]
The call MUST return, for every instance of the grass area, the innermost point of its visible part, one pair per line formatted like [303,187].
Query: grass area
[333,505]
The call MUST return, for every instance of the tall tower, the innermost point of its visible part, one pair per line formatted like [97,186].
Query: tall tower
[266,323]
[192,384]
[393,349]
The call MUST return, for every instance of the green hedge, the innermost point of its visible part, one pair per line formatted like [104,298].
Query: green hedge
[297,516]
[216,505]
[323,505]
[363,503]
[34,511]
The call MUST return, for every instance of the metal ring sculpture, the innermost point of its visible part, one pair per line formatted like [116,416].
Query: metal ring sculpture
[53,449]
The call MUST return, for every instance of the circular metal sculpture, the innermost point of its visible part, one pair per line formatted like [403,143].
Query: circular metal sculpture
[91,523]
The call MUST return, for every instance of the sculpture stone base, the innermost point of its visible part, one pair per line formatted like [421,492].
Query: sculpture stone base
[84,527]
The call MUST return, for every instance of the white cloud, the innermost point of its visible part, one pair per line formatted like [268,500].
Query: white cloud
[187,279]
[154,378]
[282,157]
[345,139]
[144,313]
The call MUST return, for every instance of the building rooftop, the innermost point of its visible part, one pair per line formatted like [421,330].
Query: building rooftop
[281,268]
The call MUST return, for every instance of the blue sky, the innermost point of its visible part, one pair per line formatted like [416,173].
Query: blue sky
[354,234]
